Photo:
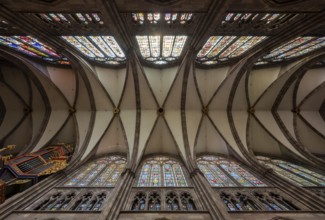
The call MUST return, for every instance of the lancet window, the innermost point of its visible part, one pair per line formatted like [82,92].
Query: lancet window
[103,172]
[161,172]
[157,18]
[32,47]
[293,49]
[221,172]
[161,49]
[218,49]
[294,173]
[102,49]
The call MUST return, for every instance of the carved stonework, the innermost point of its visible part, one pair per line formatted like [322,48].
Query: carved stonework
[257,199]
[163,199]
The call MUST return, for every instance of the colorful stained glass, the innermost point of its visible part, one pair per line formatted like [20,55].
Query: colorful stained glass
[105,48]
[178,172]
[155,179]
[103,172]
[151,50]
[168,46]
[221,172]
[168,175]
[143,46]
[178,45]
[80,17]
[240,175]
[294,48]
[294,173]
[102,49]
[222,44]
[260,18]
[154,18]
[154,42]
[33,47]
[221,48]
[161,171]
[45,17]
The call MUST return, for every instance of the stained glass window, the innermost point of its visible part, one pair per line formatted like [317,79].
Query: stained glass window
[161,50]
[293,49]
[222,48]
[103,49]
[261,18]
[156,18]
[32,47]
[221,172]
[63,18]
[161,172]
[294,173]
[103,172]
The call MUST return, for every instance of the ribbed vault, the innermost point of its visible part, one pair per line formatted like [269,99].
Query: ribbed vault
[236,109]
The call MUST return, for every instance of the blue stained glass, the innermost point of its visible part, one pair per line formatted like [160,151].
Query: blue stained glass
[292,49]
[161,50]
[168,175]
[161,171]
[32,47]
[294,173]
[100,173]
[220,172]
[103,49]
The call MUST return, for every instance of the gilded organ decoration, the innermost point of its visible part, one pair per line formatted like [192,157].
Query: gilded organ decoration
[26,170]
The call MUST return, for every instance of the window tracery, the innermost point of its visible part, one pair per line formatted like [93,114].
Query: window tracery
[103,172]
[218,49]
[32,47]
[68,18]
[161,50]
[256,200]
[221,172]
[163,200]
[72,200]
[294,173]
[161,171]
[154,203]
[293,49]
[156,18]
[172,202]
[139,202]
[187,201]
[103,49]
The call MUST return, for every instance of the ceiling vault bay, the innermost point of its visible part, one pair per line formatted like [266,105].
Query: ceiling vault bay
[115,110]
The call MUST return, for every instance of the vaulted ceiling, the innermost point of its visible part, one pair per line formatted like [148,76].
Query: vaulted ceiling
[183,108]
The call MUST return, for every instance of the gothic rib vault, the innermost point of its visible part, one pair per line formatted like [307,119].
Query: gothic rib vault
[235,109]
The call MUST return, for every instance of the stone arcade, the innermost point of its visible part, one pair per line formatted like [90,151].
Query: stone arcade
[176,109]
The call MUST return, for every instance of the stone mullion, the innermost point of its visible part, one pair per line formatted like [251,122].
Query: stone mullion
[207,195]
[309,180]
[229,176]
[299,193]
[74,200]
[19,200]
[119,198]
[256,200]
